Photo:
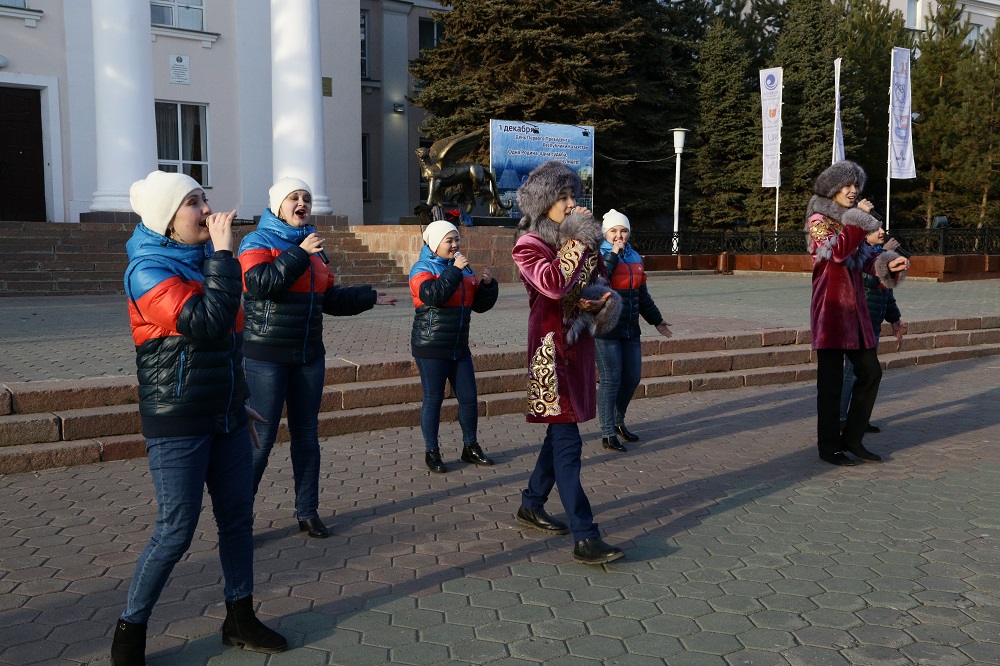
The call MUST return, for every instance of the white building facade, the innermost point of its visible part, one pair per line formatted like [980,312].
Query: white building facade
[95,94]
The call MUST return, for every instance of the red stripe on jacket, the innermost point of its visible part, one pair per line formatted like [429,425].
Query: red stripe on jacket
[320,280]
[471,284]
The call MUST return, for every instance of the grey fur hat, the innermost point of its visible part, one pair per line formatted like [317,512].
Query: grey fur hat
[543,187]
[837,176]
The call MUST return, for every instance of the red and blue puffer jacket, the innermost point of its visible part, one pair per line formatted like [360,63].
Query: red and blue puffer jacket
[445,298]
[628,278]
[187,323]
[286,292]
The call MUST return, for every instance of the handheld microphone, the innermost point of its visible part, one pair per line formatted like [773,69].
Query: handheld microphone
[323,257]
[237,222]
[900,250]
[874,213]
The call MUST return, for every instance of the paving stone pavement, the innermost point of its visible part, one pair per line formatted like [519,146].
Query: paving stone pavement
[742,547]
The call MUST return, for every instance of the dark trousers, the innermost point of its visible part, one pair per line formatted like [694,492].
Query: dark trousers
[559,464]
[829,383]
[434,372]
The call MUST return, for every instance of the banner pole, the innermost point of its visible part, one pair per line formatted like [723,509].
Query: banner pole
[888,157]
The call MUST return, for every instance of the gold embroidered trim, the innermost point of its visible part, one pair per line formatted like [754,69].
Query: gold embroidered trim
[820,230]
[543,383]
[570,300]
[569,257]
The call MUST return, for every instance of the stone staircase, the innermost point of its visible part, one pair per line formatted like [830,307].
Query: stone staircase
[61,423]
[48,259]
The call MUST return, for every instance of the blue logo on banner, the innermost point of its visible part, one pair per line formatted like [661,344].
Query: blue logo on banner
[770,82]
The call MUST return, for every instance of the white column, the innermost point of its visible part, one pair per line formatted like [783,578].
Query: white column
[253,91]
[123,87]
[297,97]
[396,156]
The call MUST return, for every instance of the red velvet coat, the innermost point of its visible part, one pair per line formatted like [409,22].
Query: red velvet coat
[838,314]
[562,378]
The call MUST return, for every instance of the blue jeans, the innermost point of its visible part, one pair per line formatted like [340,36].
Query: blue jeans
[619,362]
[300,387]
[181,467]
[559,464]
[849,379]
[433,374]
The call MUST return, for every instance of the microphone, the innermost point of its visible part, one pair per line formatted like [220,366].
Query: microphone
[323,257]
[900,250]
[237,222]
[874,213]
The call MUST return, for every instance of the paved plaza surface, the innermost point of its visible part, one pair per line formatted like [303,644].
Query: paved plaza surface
[742,547]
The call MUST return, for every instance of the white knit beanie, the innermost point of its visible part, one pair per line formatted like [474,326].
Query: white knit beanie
[157,197]
[614,219]
[281,189]
[436,231]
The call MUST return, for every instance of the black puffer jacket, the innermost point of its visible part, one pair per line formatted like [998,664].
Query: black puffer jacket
[629,280]
[186,322]
[444,299]
[287,291]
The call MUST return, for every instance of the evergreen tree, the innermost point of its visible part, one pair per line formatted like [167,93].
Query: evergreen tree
[615,64]
[938,97]
[806,49]
[870,31]
[978,176]
[728,162]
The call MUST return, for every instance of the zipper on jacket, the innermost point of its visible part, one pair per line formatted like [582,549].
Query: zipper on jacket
[267,317]
[461,321]
[312,304]
[180,373]
[631,288]
[430,323]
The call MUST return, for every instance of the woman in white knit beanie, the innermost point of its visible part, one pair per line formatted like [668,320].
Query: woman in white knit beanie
[183,286]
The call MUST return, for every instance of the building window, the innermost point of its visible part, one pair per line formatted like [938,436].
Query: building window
[364,44]
[431,32]
[19,4]
[366,193]
[974,32]
[182,139]
[914,14]
[183,14]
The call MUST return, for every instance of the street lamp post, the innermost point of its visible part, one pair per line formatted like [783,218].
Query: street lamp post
[679,133]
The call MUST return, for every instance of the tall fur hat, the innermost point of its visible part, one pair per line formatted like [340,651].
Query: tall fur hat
[543,187]
[838,176]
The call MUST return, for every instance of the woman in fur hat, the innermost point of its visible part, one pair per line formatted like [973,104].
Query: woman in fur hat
[287,290]
[183,287]
[836,227]
[558,255]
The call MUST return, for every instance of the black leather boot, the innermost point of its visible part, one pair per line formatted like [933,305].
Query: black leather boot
[595,551]
[242,628]
[434,462]
[314,527]
[473,453]
[128,647]
[626,434]
[612,444]
[540,520]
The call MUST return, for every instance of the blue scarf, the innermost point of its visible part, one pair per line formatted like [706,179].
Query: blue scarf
[629,256]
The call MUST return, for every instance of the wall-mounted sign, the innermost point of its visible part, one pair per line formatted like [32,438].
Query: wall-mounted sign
[180,70]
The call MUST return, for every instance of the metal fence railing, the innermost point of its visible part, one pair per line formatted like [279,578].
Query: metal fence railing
[914,241]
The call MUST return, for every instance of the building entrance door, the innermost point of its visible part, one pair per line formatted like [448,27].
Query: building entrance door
[22,166]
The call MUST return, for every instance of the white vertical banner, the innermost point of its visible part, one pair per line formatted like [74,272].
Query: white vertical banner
[901,163]
[838,131]
[770,110]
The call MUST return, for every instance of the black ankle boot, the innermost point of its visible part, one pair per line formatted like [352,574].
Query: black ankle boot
[128,648]
[433,461]
[612,444]
[473,453]
[242,628]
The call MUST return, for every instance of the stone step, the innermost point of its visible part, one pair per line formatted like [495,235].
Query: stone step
[74,434]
